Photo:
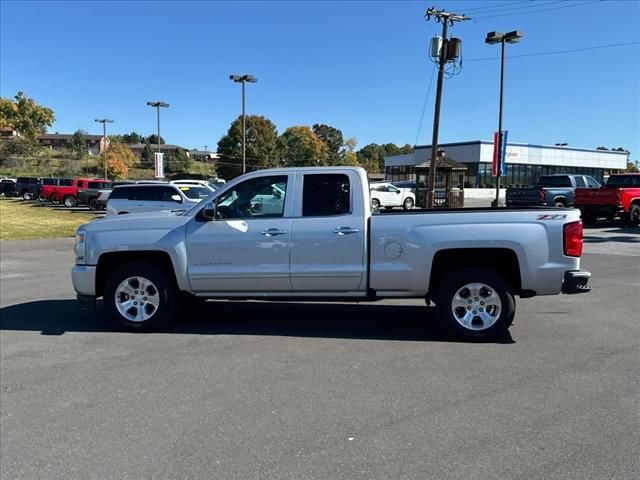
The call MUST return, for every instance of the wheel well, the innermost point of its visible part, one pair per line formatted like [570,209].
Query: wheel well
[501,260]
[110,262]
[560,199]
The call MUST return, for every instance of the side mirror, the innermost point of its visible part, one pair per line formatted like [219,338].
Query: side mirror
[176,198]
[209,211]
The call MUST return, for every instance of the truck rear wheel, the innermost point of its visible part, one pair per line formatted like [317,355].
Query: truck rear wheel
[93,204]
[69,201]
[633,218]
[140,296]
[589,219]
[475,303]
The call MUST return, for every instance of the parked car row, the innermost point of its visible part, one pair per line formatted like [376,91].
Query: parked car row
[130,196]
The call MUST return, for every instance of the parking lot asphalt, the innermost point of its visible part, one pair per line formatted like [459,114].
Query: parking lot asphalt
[240,390]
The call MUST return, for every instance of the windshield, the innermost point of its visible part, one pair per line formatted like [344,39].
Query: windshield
[195,192]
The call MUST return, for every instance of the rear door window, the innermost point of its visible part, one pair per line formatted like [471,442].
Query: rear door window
[550,181]
[326,195]
[580,183]
[591,183]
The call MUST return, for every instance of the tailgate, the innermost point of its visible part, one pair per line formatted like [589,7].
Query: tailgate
[600,196]
[524,196]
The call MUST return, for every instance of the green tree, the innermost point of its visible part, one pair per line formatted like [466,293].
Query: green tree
[262,146]
[132,138]
[147,155]
[153,139]
[300,147]
[26,116]
[177,161]
[79,142]
[372,156]
[333,140]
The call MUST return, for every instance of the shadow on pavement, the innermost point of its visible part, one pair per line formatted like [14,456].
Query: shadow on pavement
[349,321]
[617,238]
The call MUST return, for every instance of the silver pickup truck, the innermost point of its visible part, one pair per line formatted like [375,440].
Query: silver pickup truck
[309,234]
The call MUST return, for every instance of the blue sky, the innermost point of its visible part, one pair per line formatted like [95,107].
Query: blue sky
[359,66]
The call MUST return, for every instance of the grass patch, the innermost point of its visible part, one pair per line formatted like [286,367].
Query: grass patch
[21,220]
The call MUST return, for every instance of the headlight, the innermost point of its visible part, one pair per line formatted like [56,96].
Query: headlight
[80,238]
[79,248]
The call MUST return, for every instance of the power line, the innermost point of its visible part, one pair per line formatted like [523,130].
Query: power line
[424,106]
[557,52]
[489,7]
[532,4]
[569,5]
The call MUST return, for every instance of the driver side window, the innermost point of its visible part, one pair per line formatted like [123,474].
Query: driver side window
[256,197]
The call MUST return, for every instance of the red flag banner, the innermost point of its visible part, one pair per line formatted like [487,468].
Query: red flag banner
[496,148]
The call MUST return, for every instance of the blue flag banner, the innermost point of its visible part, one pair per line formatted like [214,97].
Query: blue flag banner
[503,154]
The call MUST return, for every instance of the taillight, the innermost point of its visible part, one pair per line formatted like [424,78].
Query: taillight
[572,241]
[541,195]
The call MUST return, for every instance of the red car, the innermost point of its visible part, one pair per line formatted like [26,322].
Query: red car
[70,195]
[620,197]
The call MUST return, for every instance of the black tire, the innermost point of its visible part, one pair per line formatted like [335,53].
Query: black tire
[55,200]
[494,285]
[559,204]
[633,217]
[167,295]
[27,196]
[375,203]
[69,201]
[408,203]
[589,219]
[93,204]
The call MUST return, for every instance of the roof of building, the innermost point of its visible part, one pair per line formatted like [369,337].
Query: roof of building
[66,136]
[163,146]
[443,162]
[515,144]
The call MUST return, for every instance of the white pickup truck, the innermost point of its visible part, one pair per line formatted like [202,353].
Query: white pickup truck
[309,234]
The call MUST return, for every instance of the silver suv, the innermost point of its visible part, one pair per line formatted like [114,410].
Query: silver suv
[154,197]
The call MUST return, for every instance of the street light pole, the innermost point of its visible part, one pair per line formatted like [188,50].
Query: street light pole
[104,122]
[157,106]
[492,39]
[243,79]
[205,163]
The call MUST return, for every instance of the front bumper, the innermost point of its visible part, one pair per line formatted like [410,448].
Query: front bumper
[576,281]
[83,278]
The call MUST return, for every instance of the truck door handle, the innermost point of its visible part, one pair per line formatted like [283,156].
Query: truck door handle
[272,232]
[345,230]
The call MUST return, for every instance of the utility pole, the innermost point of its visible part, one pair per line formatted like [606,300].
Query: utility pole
[447,19]
[104,122]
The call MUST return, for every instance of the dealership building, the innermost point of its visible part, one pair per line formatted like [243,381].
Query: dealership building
[525,162]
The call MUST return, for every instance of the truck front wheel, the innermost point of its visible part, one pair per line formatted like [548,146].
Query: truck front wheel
[140,296]
[475,303]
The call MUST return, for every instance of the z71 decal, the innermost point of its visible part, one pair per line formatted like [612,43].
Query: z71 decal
[552,217]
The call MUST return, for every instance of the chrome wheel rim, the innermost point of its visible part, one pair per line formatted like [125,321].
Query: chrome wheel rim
[408,203]
[137,299]
[476,306]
